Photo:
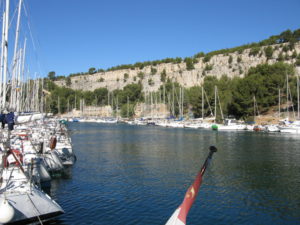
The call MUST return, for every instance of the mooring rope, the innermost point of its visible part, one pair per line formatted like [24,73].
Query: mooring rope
[38,212]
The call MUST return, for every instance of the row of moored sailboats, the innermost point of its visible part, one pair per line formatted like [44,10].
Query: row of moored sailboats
[32,153]
[284,126]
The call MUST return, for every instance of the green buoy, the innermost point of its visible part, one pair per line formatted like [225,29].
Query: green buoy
[214,127]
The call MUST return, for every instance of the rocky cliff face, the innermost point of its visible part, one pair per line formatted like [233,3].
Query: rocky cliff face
[218,66]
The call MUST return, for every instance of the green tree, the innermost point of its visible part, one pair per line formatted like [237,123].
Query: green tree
[262,82]
[280,57]
[101,94]
[163,75]
[92,70]
[189,63]
[269,52]
[208,67]
[239,59]
[68,81]
[178,60]
[199,55]
[127,110]
[206,58]
[230,59]
[126,76]
[195,100]
[51,75]
[150,82]
[153,70]
[132,91]
[254,51]
[141,75]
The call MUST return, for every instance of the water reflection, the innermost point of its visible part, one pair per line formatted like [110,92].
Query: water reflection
[138,175]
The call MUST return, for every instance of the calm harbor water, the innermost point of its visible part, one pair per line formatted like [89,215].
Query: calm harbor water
[139,175]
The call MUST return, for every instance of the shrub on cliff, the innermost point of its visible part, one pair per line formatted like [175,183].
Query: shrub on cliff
[153,71]
[163,75]
[189,63]
[269,52]
[254,51]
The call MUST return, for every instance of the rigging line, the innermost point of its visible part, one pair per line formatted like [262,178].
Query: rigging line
[34,43]
[2,11]
[220,104]
[290,95]
[29,27]
[38,212]
[12,18]
[9,178]
[211,112]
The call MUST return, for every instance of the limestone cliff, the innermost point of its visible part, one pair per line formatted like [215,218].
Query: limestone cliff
[231,65]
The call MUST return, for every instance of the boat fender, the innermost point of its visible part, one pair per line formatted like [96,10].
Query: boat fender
[7,212]
[52,142]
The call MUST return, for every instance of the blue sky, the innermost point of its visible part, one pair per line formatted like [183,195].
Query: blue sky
[74,35]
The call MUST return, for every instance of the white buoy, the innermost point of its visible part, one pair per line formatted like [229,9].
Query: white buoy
[6,211]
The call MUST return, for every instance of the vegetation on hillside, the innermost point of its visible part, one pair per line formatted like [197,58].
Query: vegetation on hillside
[236,95]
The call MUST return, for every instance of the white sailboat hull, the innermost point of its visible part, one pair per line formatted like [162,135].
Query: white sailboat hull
[31,204]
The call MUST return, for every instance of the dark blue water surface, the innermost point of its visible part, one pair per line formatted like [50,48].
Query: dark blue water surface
[139,175]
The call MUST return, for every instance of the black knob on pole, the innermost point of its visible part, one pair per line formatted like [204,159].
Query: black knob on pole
[213,149]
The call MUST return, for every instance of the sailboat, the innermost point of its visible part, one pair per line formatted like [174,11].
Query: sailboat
[291,127]
[21,198]
[229,123]
[203,124]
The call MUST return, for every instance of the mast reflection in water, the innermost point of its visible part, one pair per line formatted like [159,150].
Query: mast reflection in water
[139,175]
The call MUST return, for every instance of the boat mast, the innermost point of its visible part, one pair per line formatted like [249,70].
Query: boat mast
[2,54]
[22,72]
[58,104]
[42,98]
[14,79]
[222,116]
[287,96]
[127,107]
[173,102]
[215,103]
[279,102]
[151,104]
[164,91]
[202,103]
[117,105]
[298,96]
[18,83]
[5,53]
[182,100]
[254,108]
